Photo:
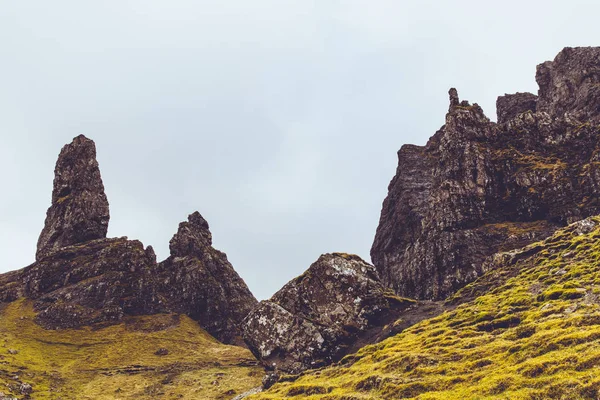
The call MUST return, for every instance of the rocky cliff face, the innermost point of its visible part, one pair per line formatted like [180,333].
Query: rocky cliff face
[479,187]
[81,277]
[317,317]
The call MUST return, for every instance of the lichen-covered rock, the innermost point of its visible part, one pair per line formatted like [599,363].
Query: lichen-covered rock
[79,210]
[315,318]
[199,281]
[479,187]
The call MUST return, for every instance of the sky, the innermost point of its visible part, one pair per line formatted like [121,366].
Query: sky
[278,120]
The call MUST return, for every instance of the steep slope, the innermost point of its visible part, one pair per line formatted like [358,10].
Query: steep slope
[144,357]
[532,331]
[479,187]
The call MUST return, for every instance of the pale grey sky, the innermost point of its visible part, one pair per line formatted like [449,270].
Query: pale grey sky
[278,120]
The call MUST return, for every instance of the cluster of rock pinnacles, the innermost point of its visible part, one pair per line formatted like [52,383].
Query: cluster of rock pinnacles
[476,188]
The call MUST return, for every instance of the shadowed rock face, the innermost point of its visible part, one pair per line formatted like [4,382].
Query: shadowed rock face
[82,278]
[199,281]
[79,210]
[315,319]
[479,187]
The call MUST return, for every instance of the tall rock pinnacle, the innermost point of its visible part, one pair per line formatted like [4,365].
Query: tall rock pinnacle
[79,210]
[318,317]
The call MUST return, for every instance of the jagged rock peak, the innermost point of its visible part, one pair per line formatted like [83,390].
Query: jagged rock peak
[461,110]
[199,281]
[192,237]
[79,210]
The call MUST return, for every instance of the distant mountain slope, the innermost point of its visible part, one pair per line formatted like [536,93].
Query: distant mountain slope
[146,357]
[533,333]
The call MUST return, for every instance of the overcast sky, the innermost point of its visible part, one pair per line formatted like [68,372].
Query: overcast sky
[278,120]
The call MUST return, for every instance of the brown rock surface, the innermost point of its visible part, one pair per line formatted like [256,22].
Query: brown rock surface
[316,318]
[199,281]
[479,187]
[79,210]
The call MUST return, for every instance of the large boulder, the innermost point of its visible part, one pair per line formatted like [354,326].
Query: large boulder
[317,317]
[479,187]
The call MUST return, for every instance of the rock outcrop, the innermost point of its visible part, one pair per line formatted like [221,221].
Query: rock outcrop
[79,210]
[317,317]
[479,187]
[570,85]
[199,281]
[83,278]
[98,281]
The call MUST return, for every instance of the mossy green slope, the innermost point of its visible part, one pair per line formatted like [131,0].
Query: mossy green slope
[530,331]
[119,361]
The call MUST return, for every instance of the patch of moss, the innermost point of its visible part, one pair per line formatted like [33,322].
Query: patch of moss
[536,335]
[120,361]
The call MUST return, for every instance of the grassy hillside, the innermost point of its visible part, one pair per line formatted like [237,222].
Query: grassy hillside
[119,362]
[530,329]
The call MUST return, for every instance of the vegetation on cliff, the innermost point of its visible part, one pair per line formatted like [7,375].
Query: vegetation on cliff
[529,329]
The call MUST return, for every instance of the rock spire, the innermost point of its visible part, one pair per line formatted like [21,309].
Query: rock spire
[79,210]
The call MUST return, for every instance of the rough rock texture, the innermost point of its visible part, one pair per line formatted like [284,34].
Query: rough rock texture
[82,278]
[511,105]
[479,187]
[315,318]
[79,210]
[199,281]
[99,281]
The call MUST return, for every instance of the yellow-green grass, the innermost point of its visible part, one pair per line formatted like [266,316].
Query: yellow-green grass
[534,335]
[119,361]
